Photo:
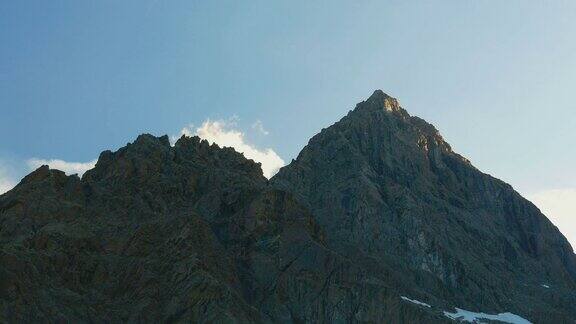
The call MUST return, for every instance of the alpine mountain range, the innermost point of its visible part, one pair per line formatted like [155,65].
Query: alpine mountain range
[377,220]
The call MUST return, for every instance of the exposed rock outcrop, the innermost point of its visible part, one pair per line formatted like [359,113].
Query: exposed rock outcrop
[375,207]
[387,188]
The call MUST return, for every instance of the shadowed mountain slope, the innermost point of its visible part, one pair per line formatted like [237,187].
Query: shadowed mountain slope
[390,191]
[375,207]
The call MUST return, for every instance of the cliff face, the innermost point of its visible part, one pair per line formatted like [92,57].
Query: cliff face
[375,207]
[133,240]
[389,190]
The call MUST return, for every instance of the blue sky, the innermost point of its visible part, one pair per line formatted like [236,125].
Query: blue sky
[496,77]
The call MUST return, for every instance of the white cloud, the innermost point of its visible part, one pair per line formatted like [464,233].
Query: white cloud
[68,167]
[6,182]
[223,133]
[260,127]
[559,205]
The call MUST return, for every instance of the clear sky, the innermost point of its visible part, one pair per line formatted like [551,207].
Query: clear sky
[498,79]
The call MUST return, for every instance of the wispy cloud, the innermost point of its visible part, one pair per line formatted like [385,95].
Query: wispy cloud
[559,205]
[224,133]
[6,181]
[68,167]
[258,126]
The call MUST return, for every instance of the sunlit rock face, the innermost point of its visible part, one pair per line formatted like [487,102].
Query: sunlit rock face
[375,208]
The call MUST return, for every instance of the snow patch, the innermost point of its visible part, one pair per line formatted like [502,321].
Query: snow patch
[415,301]
[473,317]
[546,286]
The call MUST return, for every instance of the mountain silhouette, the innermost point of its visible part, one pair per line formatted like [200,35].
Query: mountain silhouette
[376,221]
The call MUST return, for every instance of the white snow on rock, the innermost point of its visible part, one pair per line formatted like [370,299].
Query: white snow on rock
[546,286]
[415,301]
[473,317]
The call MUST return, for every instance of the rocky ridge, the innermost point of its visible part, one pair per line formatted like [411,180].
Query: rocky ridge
[375,207]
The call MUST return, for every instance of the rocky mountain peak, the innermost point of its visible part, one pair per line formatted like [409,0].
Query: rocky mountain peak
[375,221]
[379,99]
[386,186]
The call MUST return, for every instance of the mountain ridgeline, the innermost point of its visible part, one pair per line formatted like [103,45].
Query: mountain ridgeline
[376,221]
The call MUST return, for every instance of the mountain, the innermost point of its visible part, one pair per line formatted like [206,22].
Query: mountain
[392,195]
[376,221]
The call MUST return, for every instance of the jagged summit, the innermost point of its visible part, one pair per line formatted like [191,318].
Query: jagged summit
[376,221]
[379,95]
[387,186]
[381,99]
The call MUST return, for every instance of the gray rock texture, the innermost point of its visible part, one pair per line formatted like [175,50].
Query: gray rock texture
[392,194]
[375,207]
